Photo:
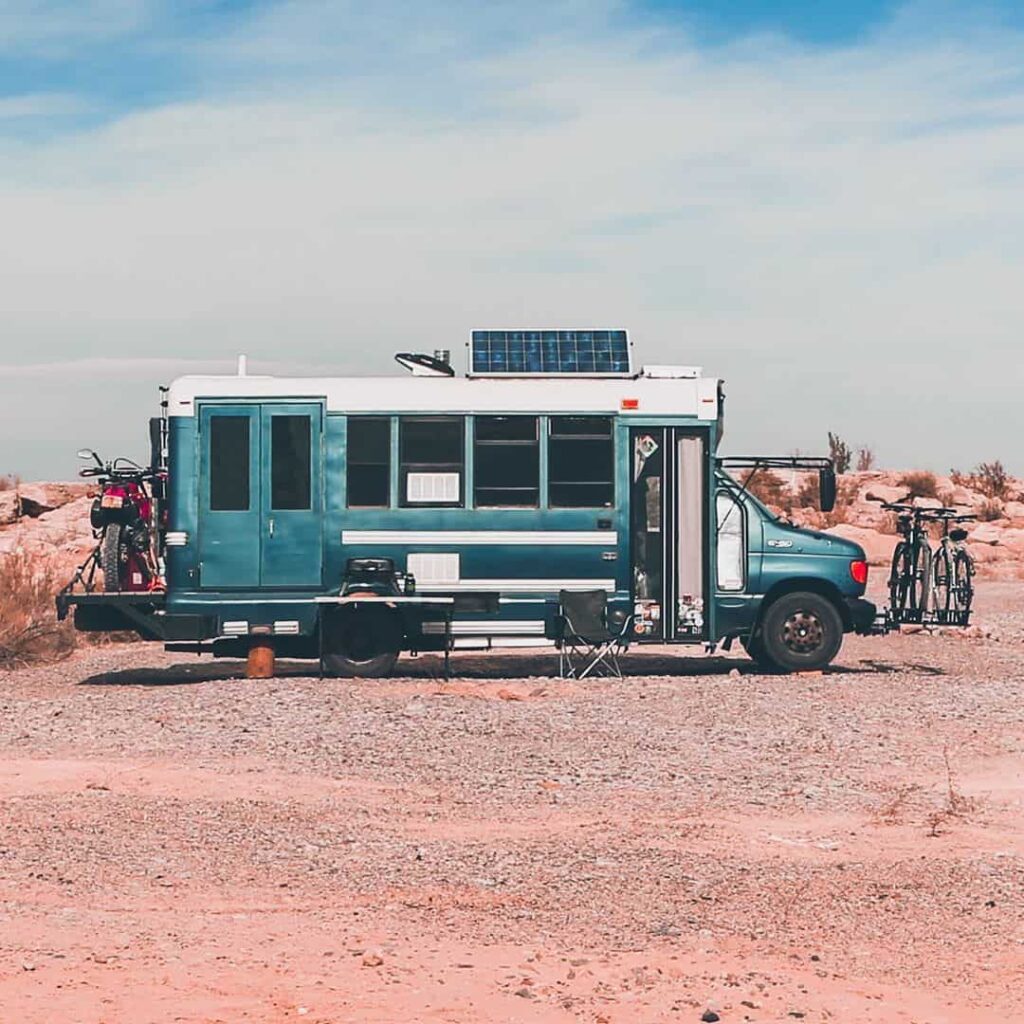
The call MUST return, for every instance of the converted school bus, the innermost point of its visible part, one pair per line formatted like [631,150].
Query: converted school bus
[541,470]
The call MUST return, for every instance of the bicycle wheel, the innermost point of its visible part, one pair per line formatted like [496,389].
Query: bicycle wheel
[962,588]
[942,580]
[921,587]
[899,579]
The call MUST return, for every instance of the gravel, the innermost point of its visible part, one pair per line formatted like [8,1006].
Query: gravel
[177,842]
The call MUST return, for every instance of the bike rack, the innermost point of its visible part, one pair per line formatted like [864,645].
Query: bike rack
[888,621]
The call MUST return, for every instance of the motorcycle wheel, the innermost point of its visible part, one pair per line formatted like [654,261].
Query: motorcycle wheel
[114,559]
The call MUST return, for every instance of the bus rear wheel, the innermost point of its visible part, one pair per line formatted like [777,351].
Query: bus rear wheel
[361,642]
[800,632]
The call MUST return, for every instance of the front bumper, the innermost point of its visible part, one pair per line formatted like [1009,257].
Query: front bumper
[862,615]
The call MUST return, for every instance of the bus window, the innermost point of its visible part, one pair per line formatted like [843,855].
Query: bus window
[432,453]
[290,470]
[506,462]
[581,462]
[229,463]
[731,542]
[368,451]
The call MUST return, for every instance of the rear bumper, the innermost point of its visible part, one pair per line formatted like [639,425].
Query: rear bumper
[862,614]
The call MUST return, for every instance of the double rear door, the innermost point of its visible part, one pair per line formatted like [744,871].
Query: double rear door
[260,522]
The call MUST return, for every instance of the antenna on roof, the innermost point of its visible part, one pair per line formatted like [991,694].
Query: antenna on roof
[242,366]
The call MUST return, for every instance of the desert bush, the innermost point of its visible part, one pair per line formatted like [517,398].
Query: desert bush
[9,482]
[920,484]
[840,453]
[808,495]
[865,458]
[770,488]
[990,510]
[992,479]
[29,630]
[955,804]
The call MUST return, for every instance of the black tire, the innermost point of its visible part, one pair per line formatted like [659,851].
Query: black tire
[899,574]
[943,581]
[800,632]
[962,587]
[922,588]
[113,557]
[361,642]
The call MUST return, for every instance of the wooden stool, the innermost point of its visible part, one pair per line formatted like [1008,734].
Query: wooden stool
[260,663]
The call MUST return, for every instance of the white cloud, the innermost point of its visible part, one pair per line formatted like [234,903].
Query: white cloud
[837,232]
[52,28]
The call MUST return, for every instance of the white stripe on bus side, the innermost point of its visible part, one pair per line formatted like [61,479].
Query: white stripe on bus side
[595,538]
[517,586]
[485,627]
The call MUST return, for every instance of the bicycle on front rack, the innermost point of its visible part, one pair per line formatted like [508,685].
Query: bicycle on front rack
[952,571]
[935,588]
[910,578]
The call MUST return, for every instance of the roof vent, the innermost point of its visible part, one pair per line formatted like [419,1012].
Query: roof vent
[662,372]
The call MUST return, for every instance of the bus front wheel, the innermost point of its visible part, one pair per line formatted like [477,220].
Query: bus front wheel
[800,632]
[361,642]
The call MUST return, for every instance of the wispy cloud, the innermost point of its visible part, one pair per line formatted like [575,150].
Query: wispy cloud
[51,28]
[830,228]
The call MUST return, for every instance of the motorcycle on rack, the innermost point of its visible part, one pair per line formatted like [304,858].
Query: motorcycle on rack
[127,518]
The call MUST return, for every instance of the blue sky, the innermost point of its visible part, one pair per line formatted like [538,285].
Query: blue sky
[821,202]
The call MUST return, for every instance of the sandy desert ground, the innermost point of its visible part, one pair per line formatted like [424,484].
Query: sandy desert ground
[179,844]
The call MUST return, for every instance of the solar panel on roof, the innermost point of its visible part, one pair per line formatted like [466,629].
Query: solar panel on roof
[550,353]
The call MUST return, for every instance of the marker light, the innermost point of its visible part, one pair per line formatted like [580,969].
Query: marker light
[859,571]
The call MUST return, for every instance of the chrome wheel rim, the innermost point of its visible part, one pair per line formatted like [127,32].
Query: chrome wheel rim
[803,632]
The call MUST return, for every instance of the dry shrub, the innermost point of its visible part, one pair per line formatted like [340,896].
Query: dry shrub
[921,484]
[29,630]
[955,806]
[840,453]
[889,524]
[808,495]
[990,478]
[865,458]
[897,803]
[9,482]
[770,488]
[990,510]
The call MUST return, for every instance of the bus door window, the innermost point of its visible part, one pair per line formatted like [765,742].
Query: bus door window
[648,537]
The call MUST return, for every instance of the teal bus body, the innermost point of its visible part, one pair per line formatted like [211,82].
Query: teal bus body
[262,568]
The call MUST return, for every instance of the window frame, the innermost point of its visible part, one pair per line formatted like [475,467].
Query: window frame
[349,462]
[242,447]
[481,446]
[552,437]
[404,467]
[740,506]
[289,465]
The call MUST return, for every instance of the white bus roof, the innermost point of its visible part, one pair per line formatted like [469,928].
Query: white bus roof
[659,393]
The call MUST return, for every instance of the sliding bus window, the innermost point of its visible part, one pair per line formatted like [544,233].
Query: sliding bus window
[368,449]
[506,462]
[581,462]
[432,453]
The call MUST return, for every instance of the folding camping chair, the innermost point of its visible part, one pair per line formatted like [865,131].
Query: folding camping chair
[589,641]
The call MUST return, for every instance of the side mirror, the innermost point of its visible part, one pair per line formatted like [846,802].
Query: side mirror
[827,488]
[86,453]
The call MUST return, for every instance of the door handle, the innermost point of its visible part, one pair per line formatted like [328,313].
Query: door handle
[270,524]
